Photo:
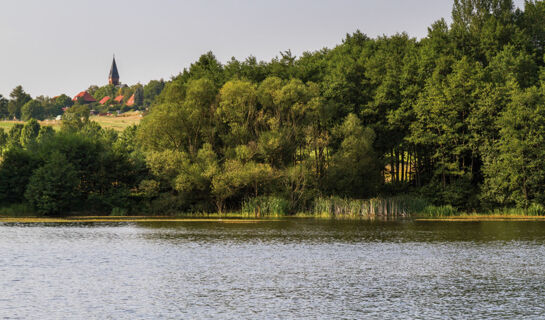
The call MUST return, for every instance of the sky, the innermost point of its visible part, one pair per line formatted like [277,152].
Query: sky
[64,46]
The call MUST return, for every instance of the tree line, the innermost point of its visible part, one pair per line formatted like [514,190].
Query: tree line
[457,117]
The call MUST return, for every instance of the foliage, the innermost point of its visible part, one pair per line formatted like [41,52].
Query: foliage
[32,110]
[53,188]
[457,117]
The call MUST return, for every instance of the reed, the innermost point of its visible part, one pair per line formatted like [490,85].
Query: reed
[533,210]
[394,207]
[265,206]
[438,211]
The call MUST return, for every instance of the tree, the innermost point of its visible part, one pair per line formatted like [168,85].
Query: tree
[236,176]
[138,95]
[52,189]
[30,132]
[182,125]
[355,170]
[15,171]
[3,107]
[514,165]
[76,117]
[33,109]
[152,90]
[14,135]
[3,140]
[46,132]
[18,99]
[237,108]
[443,117]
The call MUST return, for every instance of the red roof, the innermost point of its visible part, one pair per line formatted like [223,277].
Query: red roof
[119,98]
[130,102]
[104,100]
[84,96]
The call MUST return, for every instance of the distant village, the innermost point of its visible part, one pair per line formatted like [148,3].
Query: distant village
[116,99]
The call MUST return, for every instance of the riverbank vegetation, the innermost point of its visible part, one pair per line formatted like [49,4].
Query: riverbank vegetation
[453,122]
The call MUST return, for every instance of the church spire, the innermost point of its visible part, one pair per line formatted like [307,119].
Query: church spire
[114,74]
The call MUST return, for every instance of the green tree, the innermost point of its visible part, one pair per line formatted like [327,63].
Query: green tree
[3,140]
[152,90]
[16,169]
[18,98]
[33,109]
[46,132]
[513,166]
[182,125]
[14,135]
[355,170]
[76,117]
[52,189]
[30,132]
[4,113]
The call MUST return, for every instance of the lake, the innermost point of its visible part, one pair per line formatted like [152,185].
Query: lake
[304,269]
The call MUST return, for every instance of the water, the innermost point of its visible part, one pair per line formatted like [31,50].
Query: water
[301,269]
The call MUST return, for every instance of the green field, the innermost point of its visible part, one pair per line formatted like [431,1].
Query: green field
[107,122]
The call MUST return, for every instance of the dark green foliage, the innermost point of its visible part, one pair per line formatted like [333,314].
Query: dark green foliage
[53,188]
[152,90]
[514,164]
[4,113]
[15,172]
[14,135]
[30,132]
[354,170]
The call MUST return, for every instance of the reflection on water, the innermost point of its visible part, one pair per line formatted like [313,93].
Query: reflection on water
[277,269]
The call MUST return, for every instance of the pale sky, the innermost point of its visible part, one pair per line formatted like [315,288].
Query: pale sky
[64,46]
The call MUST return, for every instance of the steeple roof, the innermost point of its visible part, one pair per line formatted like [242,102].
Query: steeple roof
[114,74]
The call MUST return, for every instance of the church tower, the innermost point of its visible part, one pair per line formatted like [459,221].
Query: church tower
[114,75]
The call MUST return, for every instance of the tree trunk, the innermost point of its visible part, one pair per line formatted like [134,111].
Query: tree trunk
[402,165]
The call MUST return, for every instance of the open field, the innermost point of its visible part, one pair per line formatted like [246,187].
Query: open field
[118,123]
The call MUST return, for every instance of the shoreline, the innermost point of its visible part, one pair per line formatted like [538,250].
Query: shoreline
[238,218]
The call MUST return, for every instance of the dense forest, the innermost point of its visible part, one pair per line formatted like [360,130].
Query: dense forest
[456,118]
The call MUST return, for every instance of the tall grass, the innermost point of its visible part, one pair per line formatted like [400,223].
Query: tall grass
[394,207]
[437,211]
[265,206]
[533,210]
